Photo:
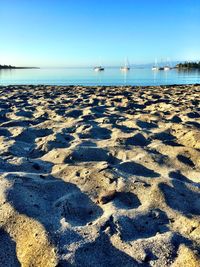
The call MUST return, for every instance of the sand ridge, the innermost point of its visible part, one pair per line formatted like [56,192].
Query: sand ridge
[100,176]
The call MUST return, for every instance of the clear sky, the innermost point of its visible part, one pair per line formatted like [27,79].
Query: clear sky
[79,32]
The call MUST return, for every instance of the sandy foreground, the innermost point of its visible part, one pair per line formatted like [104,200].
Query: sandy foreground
[99,176]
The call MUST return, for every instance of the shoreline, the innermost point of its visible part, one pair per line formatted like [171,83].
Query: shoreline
[100,175]
[104,86]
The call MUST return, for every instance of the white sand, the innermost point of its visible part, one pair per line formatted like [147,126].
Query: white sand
[102,176]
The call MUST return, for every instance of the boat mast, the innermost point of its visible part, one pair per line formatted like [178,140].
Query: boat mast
[126,60]
[156,62]
[100,61]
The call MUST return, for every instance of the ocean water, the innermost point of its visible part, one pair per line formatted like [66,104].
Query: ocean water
[87,76]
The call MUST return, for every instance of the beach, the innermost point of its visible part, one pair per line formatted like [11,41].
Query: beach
[100,176]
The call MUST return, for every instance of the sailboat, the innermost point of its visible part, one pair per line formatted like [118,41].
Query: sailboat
[167,66]
[99,68]
[155,67]
[126,66]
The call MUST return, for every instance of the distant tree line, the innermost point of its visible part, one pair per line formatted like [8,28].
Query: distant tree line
[189,65]
[13,67]
[7,67]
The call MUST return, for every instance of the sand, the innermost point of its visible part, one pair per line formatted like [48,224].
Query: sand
[99,176]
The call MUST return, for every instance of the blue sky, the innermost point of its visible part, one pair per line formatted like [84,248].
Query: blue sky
[79,32]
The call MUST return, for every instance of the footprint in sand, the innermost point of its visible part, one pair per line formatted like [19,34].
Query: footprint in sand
[50,200]
[134,168]
[142,226]
[126,200]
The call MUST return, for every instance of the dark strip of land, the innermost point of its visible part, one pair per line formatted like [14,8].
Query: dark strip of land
[188,65]
[14,67]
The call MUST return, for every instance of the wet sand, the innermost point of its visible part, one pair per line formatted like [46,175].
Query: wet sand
[100,176]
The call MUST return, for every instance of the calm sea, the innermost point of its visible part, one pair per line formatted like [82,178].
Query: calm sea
[87,76]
